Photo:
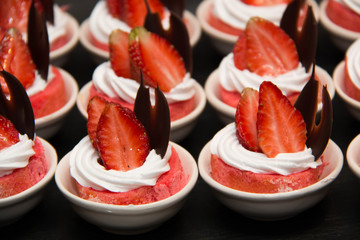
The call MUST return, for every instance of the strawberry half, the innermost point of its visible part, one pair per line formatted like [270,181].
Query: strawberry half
[239,51]
[95,108]
[156,58]
[121,139]
[114,7]
[265,2]
[119,54]
[8,133]
[281,127]
[270,51]
[14,13]
[16,59]
[245,119]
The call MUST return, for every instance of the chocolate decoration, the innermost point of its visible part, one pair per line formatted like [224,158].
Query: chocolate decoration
[38,41]
[18,108]
[305,38]
[318,135]
[177,34]
[175,6]
[48,6]
[156,119]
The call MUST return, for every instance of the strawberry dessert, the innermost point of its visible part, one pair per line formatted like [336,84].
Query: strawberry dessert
[344,13]
[161,62]
[126,159]
[15,13]
[267,52]
[351,71]
[272,146]
[22,161]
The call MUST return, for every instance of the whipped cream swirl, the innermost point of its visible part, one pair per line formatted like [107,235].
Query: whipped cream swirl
[226,146]
[233,79]
[352,4]
[353,62]
[59,28]
[86,170]
[106,81]
[236,13]
[16,156]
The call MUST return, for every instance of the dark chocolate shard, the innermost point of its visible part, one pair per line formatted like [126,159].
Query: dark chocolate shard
[319,134]
[17,108]
[48,6]
[305,38]
[38,40]
[175,6]
[156,119]
[176,34]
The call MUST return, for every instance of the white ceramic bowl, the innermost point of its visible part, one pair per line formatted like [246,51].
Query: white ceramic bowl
[224,42]
[59,56]
[353,156]
[100,55]
[49,125]
[274,206]
[226,113]
[130,219]
[351,104]
[341,37]
[179,128]
[14,207]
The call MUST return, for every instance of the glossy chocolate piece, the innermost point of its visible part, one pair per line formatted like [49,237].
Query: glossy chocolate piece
[175,6]
[48,6]
[305,38]
[18,108]
[177,35]
[156,119]
[38,41]
[318,135]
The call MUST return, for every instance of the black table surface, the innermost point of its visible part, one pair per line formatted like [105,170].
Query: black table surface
[203,216]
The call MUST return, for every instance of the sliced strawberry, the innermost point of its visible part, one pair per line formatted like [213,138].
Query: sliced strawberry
[95,108]
[281,127]
[14,13]
[15,58]
[8,133]
[114,8]
[266,2]
[157,58]
[121,139]
[245,119]
[270,51]
[119,54]
[239,51]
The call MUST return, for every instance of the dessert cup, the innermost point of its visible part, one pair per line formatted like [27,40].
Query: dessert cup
[352,156]
[99,55]
[130,219]
[59,56]
[226,113]
[224,42]
[274,206]
[179,128]
[14,207]
[351,104]
[341,37]
[49,125]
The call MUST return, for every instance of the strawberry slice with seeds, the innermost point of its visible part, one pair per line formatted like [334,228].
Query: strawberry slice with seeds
[245,119]
[95,108]
[281,127]
[14,13]
[16,59]
[114,8]
[119,54]
[121,139]
[8,133]
[156,58]
[239,51]
[270,51]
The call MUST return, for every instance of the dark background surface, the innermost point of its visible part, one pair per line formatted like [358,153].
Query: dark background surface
[203,216]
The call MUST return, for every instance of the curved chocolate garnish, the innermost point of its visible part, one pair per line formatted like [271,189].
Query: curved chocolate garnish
[175,6]
[176,34]
[156,119]
[317,134]
[38,40]
[48,6]
[18,108]
[305,38]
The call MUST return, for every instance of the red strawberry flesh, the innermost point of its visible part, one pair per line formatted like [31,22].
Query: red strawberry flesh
[8,133]
[95,108]
[119,54]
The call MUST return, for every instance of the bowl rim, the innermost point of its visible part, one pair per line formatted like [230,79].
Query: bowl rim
[52,160]
[200,99]
[70,83]
[332,27]
[69,45]
[204,158]
[131,209]
[351,156]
